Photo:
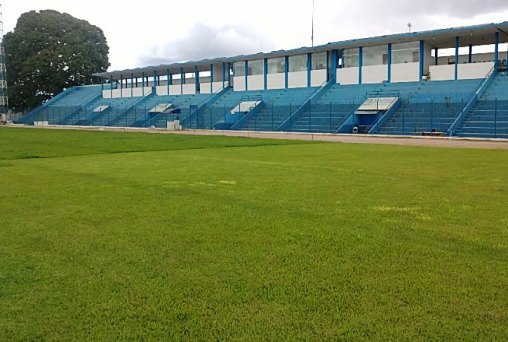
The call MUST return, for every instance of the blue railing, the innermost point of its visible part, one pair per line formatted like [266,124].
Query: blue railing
[381,121]
[305,106]
[459,119]
[205,104]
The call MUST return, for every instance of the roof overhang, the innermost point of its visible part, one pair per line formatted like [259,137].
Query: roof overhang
[442,38]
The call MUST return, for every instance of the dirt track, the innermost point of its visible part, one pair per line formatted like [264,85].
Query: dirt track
[341,138]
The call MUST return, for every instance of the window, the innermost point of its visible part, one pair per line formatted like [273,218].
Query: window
[239,69]
[406,53]
[298,63]
[351,58]
[319,61]
[375,55]
[256,67]
[276,65]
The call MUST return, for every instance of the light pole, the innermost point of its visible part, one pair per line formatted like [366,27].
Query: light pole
[312,36]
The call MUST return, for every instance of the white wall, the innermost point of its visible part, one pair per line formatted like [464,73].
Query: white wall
[205,88]
[406,72]
[218,86]
[297,79]
[175,89]
[348,75]
[276,81]
[318,77]
[374,74]
[189,89]
[442,72]
[116,93]
[106,94]
[256,82]
[162,90]
[477,58]
[475,70]
[239,83]
[138,92]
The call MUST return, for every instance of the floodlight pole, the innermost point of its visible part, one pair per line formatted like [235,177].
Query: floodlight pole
[312,36]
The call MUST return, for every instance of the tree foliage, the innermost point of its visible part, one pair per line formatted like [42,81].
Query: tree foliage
[48,52]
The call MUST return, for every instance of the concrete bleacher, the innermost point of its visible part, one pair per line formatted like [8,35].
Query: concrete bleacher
[140,116]
[66,103]
[428,107]
[330,109]
[425,107]
[277,107]
[489,117]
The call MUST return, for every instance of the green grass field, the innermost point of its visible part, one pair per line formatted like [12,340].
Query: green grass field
[107,236]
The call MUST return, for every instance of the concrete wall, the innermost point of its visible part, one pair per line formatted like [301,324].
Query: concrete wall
[239,83]
[209,88]
[276,81]
[475,70]
[175,89]
[406,72]
[374,74]
[189,89]
[106,94]
[297,79]
[466,71]
[162,90]
[442,72]
[348,76]
[318,77]
[256,82]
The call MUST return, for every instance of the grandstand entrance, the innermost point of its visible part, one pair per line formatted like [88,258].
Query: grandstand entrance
[372,111]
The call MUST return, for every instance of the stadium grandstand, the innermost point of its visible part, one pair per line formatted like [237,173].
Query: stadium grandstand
[447,82]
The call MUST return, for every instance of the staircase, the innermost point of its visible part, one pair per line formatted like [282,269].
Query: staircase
[415,118]
[489,117]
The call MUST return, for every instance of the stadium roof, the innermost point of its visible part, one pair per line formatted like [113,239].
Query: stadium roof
[442,38]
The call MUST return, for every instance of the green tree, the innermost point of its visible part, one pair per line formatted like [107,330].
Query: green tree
[48,52]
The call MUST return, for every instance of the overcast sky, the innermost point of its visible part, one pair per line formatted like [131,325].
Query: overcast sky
[152,32]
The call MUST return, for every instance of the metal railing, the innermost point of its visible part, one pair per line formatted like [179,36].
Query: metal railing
[472,101]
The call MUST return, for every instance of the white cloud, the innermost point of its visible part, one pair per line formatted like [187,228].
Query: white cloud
[204,41]
[154,31]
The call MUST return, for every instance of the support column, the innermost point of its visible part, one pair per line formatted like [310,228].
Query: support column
[328,71]
[309,70]
[211,78]
[470,59]
[224,75]
[168,79]
[422,59]
[102,83]
[360,65]
[457,45]
[286,72]
[436,56]
[121,85]
[265,73]
[389,62]
[335,65]
[182,80]
[496,51]
[196,79]
[143,83]
[111,85]
[155,79]
[246,75]
[229,74]
[132,84]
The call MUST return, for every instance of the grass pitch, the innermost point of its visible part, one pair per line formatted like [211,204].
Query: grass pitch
[136,236]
